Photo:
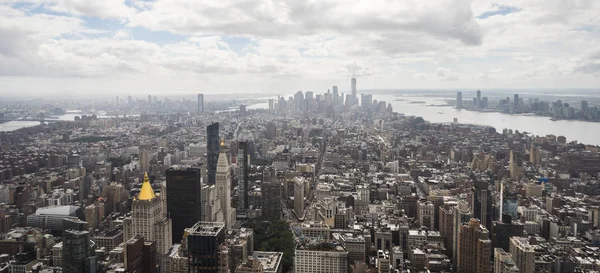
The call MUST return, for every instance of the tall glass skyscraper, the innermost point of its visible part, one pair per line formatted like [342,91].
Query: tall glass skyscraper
[213,148]
[183,198]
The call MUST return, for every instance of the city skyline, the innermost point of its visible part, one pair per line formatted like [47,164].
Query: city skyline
[63,47]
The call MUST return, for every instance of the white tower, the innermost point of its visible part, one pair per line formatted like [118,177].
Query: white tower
[223,183]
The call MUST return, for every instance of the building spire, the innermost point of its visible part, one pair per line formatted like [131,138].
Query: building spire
[146,193]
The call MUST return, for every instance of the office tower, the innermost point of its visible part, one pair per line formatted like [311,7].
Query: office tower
[353,85]
[212,147]
[584,109]
[459,103]
[481,203]
[129,100]
[425,215]
[271,187]
[336,96]
[144,160]
[523,254]
[204,243]
[149,218]
[140,255]
[223,183]
[211,206]
[503,262]
[503,231]
[244,167]
[299,197]
[200,103]
[516,102]
[184,202]
[461,214]
[271,132]
[271,105]
[474,248]
[78,252]
[478,105]
[324,257]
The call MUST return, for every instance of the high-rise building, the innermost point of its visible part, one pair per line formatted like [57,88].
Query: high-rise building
[336,96]
[459,102]
[271,190]
[353,86]
[184,202]
[523,254]
[243,179]
[481,203]
[271,105]
[299,197]
[503,231]
[478,105]
[200,103]
[211,206]
[503,262]
[461,214]
[584,109]
[149,218]
[271,132]
[204,243]
[474,248]
[213,147]
[144,160]
[78,252]
[223,183]
[140,255]
[324,257]
[516,102]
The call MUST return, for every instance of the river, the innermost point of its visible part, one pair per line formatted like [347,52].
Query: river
[582,131]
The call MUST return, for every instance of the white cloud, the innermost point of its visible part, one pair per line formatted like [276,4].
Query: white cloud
[303,44]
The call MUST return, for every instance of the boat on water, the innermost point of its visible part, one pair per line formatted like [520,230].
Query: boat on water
[441,113]
[553,119]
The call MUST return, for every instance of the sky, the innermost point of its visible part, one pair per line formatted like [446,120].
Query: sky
[137,47]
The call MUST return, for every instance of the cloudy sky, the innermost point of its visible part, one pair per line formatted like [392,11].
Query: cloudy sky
[191,46]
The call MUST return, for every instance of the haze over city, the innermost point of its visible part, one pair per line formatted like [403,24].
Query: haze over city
[169,46]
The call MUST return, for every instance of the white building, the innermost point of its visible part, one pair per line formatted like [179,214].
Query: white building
[223,183]
[503,262]
[149,218]
[321,258]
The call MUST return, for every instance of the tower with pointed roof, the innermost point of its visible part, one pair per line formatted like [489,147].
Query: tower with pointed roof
[149,218]
[223,183]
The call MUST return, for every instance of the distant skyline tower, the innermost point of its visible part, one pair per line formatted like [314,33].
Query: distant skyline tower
[183,198]
[459,102]
[353,84]
[213,147]
[478,106]
[200,103]
[336,95]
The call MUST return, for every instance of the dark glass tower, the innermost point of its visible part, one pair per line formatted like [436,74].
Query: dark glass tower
[183,199]
[213,149]
[78,253]
[204,241]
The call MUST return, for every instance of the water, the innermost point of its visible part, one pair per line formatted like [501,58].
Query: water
[582,131]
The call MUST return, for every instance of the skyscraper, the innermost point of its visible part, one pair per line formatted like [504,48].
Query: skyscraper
[213,147]
[478,106]
[204,243]
[200,103]
[503,262]
[183,198]
[481,203]
[336,96]
[459,102]
[503,231]
[271,197]
[299,197]
[145,160]
[149,218]
[475,248]
[243,164]
[223,183]
[353,84]
[140,255]
[523,253]
[78,252]
[461,214]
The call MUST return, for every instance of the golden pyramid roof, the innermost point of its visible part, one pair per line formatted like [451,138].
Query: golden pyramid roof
[146,193]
